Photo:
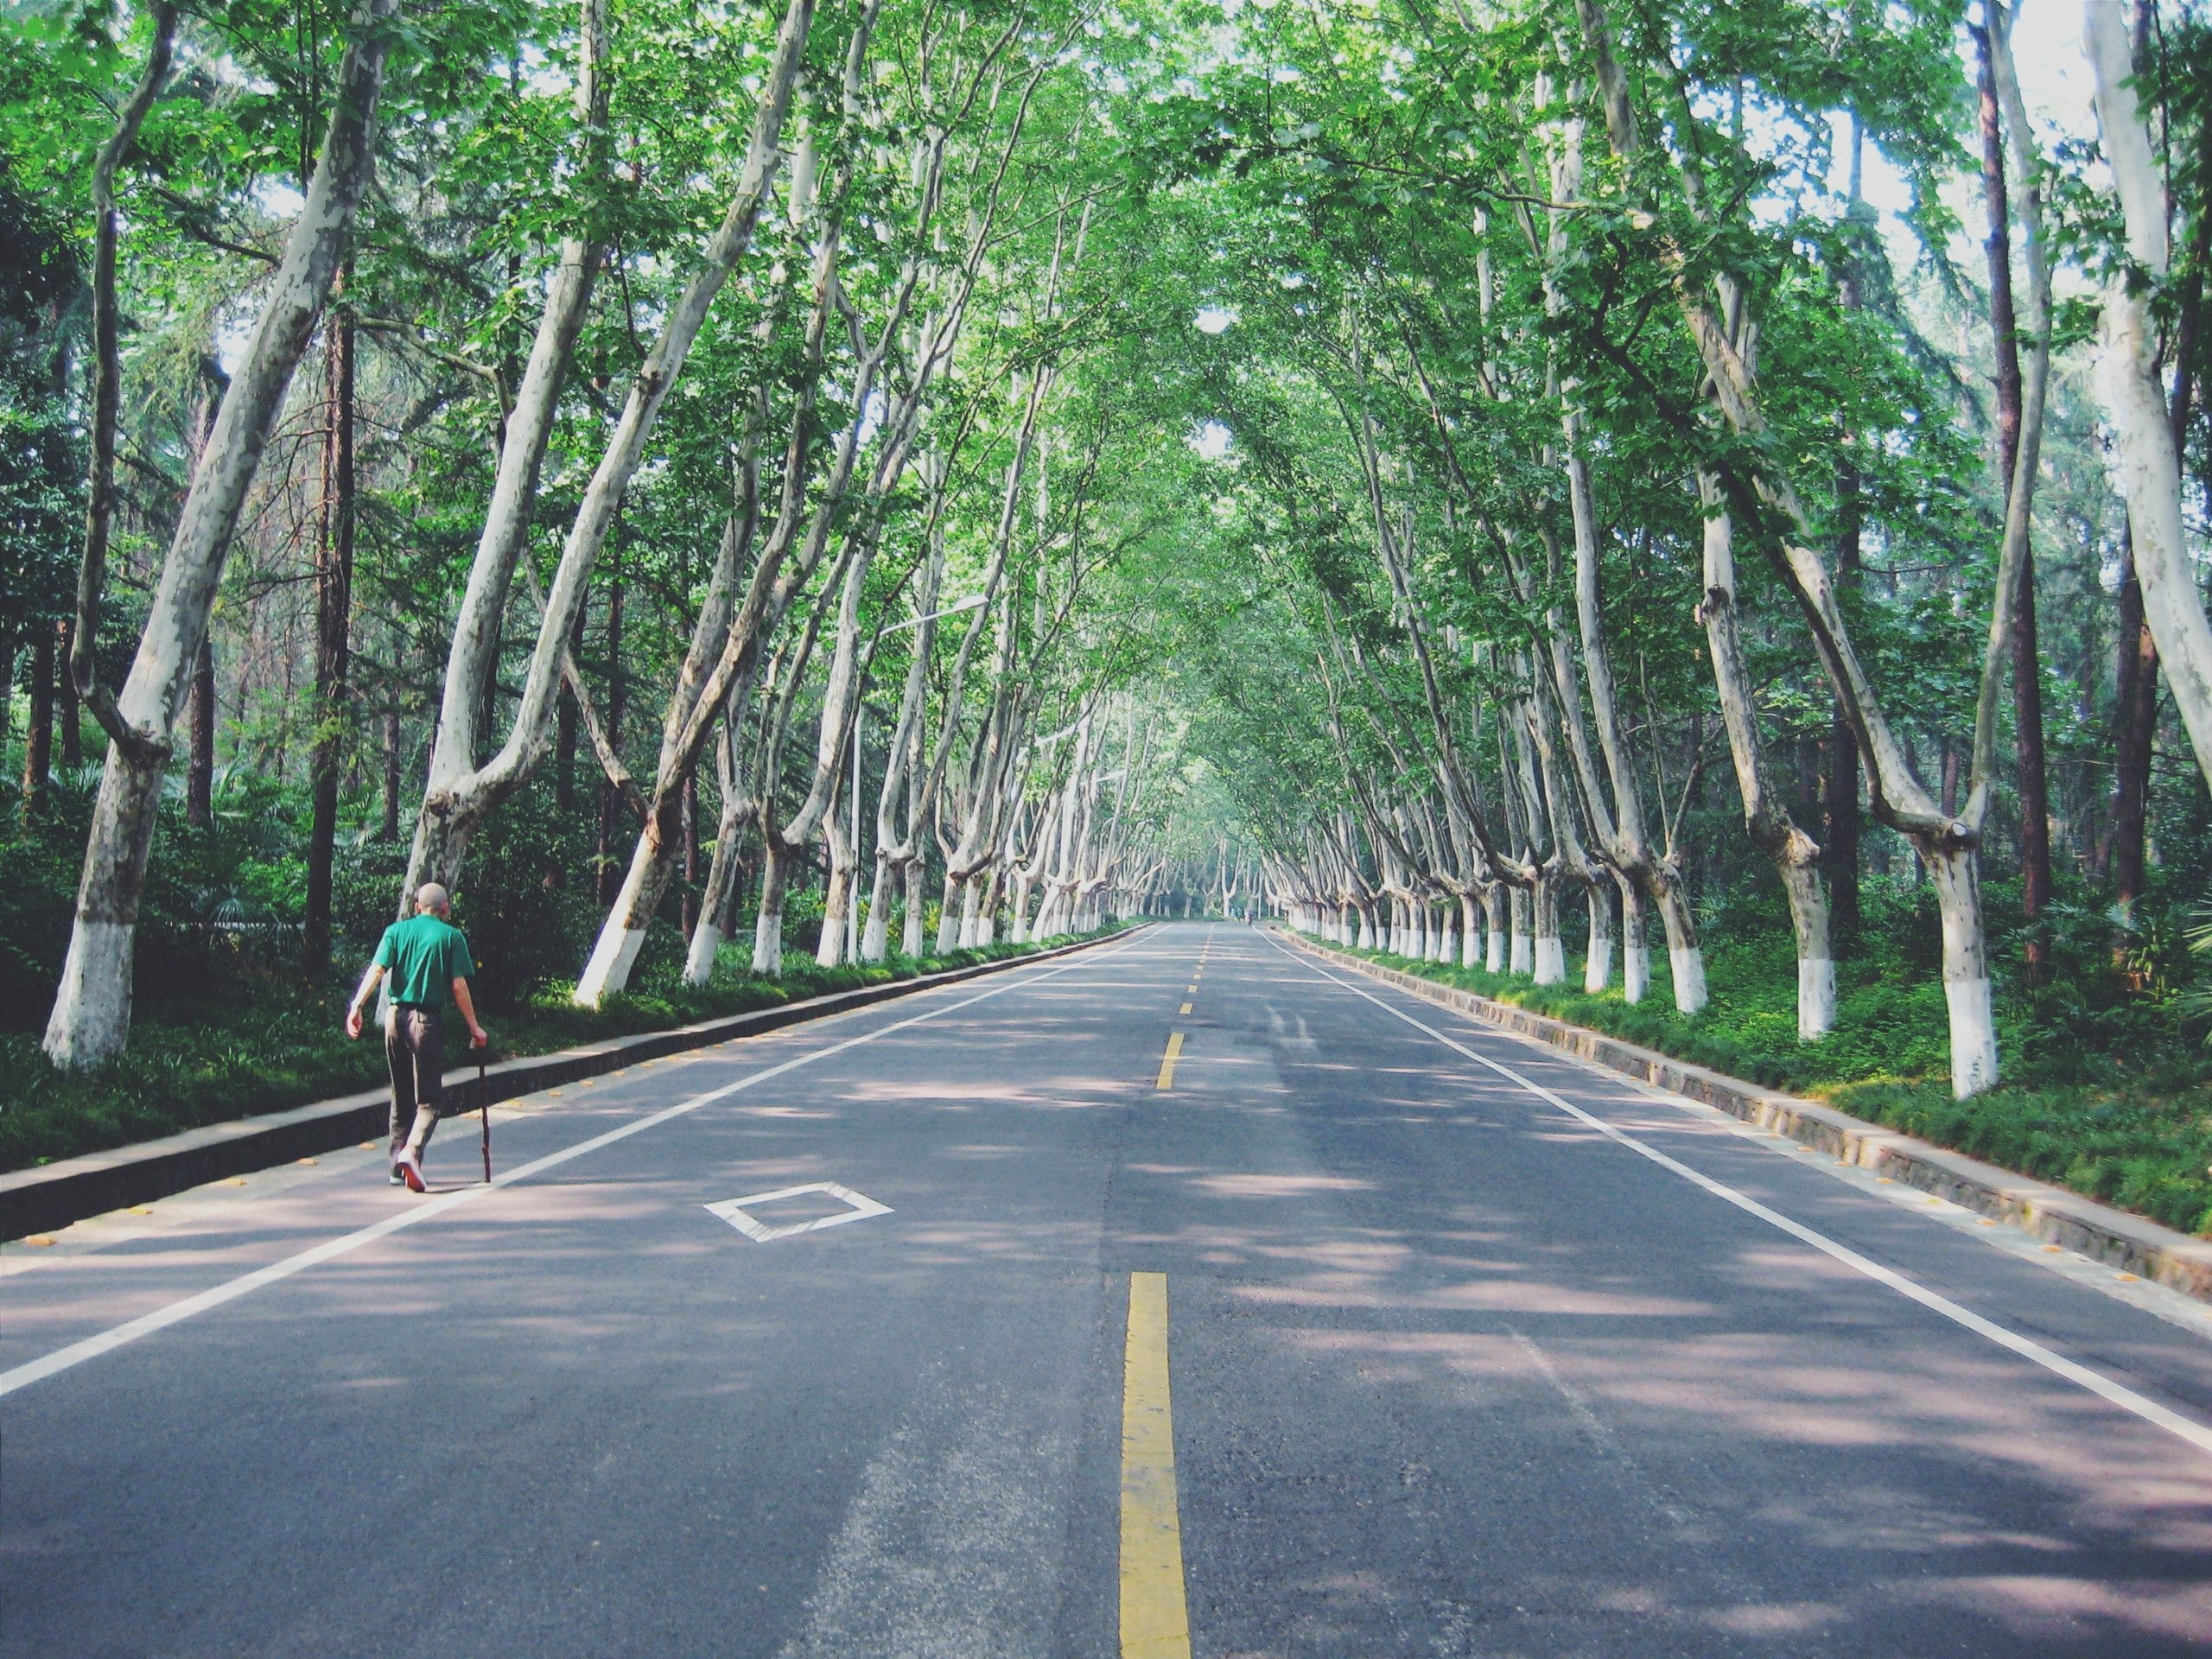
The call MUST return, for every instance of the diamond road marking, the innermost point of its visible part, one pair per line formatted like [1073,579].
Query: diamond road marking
[733,1211]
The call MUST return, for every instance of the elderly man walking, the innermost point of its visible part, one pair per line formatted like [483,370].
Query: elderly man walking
[427,957]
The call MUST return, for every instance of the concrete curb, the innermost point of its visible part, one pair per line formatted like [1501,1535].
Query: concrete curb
[2126,1243]
[55,1195]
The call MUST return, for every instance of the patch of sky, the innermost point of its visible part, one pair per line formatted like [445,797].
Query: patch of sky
[873,414]
[1213,319]
[1211,440]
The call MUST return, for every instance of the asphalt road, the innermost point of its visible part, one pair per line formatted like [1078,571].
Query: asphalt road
[1430,1365]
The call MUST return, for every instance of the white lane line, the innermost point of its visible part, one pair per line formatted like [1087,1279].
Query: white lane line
[161,1318]
[2096,1382]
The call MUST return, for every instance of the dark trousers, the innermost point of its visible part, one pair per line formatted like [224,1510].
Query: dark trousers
[414,1049]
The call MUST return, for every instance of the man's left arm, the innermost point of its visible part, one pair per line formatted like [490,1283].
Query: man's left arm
[369,980]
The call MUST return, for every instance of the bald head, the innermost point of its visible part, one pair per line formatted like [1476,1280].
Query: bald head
[432,900]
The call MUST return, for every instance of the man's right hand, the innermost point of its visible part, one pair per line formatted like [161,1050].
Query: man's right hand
[353,1022]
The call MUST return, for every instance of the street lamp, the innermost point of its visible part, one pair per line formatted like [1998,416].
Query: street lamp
[860,708]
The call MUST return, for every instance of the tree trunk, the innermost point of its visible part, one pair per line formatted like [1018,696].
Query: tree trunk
[2135,722]
[1840,821]
[718,904]
[68,707]
[2149,468]
[91,1020]
[768,922]
[1898,797]
[458,795]
[947,915]
[333,584]
[200,768]
[1955,871]
[38,730]
[837,890]
[389,829]
[566,729]
[1597,963]
[611,805]
[2026,665]
[910,937]
[686,916]
[1767,820]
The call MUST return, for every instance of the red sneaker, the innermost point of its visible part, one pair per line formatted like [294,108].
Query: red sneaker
[411,1171]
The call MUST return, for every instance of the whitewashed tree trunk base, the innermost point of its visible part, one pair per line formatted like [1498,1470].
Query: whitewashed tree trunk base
[91,1011]
[1635,972]
[608,970]
[699,960]
[769,943]
[1973,1036]
[1598,968]
[1687,964]
[1815,998]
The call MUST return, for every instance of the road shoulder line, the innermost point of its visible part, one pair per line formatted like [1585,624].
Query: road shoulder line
[2125,1242]
[2093,1382]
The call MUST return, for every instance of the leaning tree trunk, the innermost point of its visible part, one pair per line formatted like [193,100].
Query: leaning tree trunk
[1948,846]
[458,799]
[2150,468]
[718,905]
[333,587]
[91,1018]
[1796,859]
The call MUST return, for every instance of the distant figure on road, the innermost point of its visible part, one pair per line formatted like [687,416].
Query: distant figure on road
[426,955]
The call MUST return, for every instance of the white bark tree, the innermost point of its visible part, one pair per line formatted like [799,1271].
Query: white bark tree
[91,1018]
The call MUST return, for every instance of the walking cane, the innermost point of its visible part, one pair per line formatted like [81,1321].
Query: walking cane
[483,1113]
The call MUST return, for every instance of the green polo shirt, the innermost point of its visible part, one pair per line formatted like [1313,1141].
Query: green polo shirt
[424,954]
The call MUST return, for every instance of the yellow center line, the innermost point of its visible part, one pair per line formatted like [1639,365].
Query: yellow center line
[1155,1619]
[1185,1008]
[1167,1061]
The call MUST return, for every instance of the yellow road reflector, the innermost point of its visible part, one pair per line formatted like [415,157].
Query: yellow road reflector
[140,1210]
[38,1240]
[1155,1616]
[307,1160]
[1985,1222]
[2128,1279]
[235,1180]
[368,1145]
[2053,1249]
[1185,1008]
